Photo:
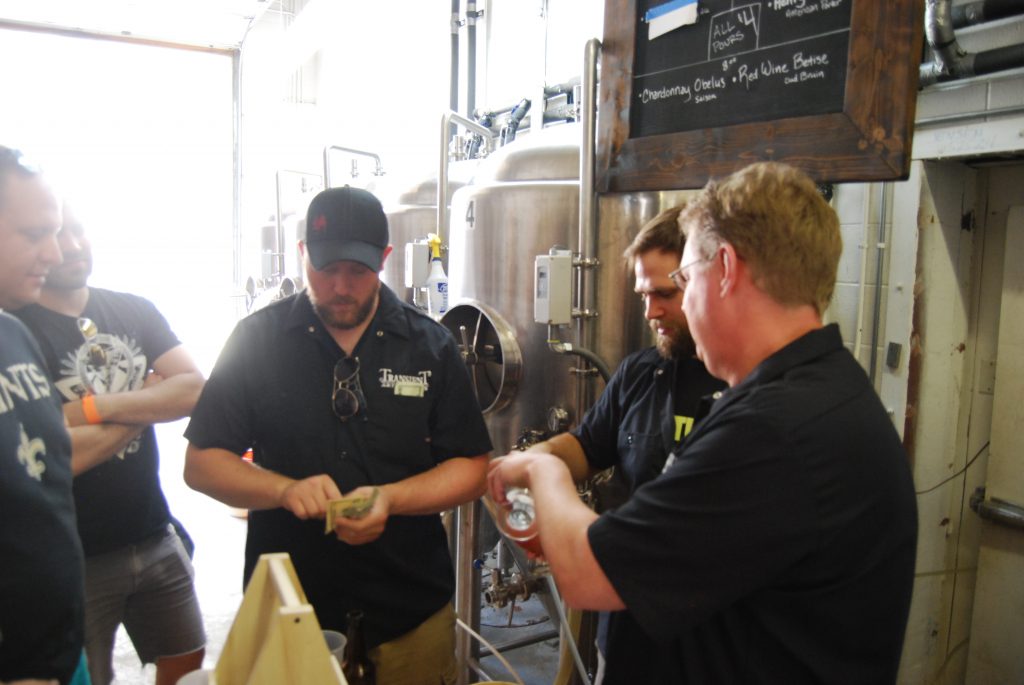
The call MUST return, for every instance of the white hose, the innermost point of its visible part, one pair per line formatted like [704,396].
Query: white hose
[460,623]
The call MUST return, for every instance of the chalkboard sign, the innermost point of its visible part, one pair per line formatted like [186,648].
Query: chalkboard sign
[826,85]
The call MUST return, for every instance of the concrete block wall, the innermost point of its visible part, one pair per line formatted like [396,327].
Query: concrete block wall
[853,304]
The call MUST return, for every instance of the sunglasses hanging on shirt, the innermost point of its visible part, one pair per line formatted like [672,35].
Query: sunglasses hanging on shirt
[347,393]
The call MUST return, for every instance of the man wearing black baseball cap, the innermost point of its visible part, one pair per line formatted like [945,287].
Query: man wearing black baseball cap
[344,389]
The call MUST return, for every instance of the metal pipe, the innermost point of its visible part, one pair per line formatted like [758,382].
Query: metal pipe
[236,171]
[467,585]
[447,119]
[997,510]
[938,27]
[525,641]
[378,169]
[94,34]
[587,235]
[862,285]
[982,11]
[277,259]
[950,61]
[962,116]
[471,17]
[453,77]
[882,209]
[566,630]
[508,133]
[996,59]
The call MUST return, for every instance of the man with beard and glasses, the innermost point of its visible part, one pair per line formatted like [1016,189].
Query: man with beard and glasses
[778,546]
[652,401]
[116,363]
[344,389]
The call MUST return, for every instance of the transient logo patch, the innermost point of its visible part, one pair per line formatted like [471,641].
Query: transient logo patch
[405,384]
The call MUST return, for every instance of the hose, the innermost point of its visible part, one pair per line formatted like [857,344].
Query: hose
[568,348]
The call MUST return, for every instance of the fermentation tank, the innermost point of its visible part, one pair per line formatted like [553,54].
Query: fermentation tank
[411,208]
[523,201]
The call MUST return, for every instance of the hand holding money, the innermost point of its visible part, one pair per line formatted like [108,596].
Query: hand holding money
[356,505]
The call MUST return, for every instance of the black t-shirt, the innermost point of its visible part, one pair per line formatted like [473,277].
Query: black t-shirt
[41,571]
[779,546]
[271,390]
[119,502]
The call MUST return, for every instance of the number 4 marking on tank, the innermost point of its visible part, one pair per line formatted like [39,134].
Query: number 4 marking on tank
[470,216]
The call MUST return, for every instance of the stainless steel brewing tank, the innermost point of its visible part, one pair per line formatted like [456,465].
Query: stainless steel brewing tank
[524,200]
[411,209]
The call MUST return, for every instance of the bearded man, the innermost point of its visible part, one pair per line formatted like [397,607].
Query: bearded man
[651,402]
[343,388]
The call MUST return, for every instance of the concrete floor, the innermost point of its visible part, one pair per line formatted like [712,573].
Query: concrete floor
[220,542]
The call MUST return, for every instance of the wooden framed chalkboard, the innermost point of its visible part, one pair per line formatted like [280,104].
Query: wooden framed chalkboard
[829,86]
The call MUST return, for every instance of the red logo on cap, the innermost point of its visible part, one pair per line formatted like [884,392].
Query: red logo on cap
[320,223]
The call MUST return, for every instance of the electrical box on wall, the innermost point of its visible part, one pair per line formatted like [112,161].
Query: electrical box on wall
[552,288]
[417,264]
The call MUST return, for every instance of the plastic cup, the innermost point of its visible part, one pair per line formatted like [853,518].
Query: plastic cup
[335,643]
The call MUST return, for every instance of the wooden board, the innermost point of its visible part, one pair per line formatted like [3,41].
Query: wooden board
[275,638]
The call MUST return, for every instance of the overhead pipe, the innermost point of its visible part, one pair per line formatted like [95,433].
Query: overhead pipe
[950,61]
[453,78]
[378,169]
[938,30]
[983,11]
[964,116]
[471,17]
[448,119]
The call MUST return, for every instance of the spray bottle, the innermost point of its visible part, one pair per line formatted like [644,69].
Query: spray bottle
[437,281]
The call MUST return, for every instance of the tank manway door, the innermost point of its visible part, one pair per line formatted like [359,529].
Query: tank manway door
[490,350]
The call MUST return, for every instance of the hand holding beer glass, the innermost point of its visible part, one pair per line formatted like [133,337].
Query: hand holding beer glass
[511,506]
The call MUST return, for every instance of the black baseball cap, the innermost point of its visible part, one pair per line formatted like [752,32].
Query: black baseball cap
[346,224]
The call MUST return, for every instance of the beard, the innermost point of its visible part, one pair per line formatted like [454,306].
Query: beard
[676,344]
[71,275]
[345,321]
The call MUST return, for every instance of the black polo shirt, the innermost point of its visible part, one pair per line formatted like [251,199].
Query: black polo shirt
[647,409]
[649,406]
[271,390]
[779,546]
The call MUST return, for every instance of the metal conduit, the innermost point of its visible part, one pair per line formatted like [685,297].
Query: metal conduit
[882,209]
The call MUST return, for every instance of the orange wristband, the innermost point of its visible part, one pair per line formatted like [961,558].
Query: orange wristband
[92,415]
